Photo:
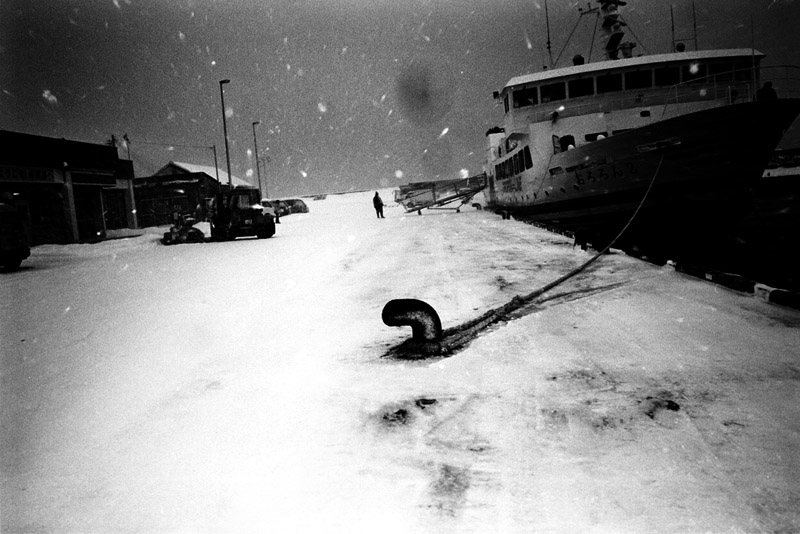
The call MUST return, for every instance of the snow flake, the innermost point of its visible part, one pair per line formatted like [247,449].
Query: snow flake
[444,132]
[322,107]
[49,97]
[398,173]
[181,36]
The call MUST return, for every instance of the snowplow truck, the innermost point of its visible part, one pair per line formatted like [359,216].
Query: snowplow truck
[238,213]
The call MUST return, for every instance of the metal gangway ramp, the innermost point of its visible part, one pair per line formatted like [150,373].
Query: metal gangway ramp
[438,194]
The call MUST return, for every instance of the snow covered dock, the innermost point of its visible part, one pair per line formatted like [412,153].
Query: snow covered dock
[240,387]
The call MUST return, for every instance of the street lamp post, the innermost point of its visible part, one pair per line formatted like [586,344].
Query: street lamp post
[216,165]
[225,130]
[258,169]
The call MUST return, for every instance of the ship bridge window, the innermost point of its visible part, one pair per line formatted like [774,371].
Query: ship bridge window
[581,87]
[609,83]
[723,72]
[553,91]
[695,72]
[639,79]
[667,76]
[526,97]
[744,72]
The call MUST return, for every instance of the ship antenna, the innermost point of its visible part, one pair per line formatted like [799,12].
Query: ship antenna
[547,20]
[594,35]
[672,16]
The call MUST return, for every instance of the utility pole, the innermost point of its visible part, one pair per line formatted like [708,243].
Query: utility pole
[258,170]
[225,131]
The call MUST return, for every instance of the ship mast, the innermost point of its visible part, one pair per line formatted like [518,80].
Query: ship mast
[547,19]
[612,28]
[680,42]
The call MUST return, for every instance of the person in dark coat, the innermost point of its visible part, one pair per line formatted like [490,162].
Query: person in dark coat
[766,93]
[378,203]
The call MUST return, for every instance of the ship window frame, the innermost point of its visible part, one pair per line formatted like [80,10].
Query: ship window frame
[575,90]
[632,74]
[609,83]
[721,71]
[524,95]
[528,158]
[666,76]
[743,71]
[556,95]
[564,142]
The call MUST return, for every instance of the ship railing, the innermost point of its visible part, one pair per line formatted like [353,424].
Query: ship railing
[731,87]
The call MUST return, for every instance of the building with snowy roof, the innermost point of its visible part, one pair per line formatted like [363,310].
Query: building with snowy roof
[184,186]
[67,191]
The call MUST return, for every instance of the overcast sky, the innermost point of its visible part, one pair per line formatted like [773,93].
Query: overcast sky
[351,94]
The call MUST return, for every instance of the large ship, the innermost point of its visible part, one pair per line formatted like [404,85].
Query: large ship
[667,147]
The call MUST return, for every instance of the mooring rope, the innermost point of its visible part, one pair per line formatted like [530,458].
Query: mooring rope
[457,337]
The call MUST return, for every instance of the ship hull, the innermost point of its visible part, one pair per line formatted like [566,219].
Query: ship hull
[691,178]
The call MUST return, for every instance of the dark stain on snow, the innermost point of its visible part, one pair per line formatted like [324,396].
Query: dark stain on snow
[402,413]
[652,405]
[396,417]
[424,403]
[449,488]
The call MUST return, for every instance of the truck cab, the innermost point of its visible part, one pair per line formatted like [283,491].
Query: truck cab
[238,213]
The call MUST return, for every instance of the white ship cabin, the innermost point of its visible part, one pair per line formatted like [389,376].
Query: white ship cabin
[555,110]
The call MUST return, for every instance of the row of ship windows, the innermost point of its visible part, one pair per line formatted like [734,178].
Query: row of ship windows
[632,80]
[522,161]
[514,165]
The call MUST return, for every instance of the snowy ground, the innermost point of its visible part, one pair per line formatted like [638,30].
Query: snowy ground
[239,387]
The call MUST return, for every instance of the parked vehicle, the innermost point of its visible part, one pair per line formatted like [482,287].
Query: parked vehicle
[296,205]
[13,241]
[240,213]
[281,208]
[268,208]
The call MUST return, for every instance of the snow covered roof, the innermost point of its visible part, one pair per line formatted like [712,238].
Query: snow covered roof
[211,171]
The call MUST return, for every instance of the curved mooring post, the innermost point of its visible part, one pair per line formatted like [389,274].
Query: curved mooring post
[425,324]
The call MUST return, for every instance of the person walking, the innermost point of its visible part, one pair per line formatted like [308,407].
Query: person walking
[378,203]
